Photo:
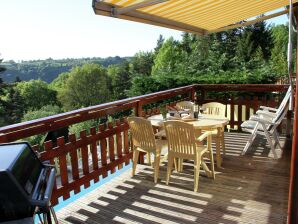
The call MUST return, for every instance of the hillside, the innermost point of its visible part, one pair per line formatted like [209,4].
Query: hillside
[47,70]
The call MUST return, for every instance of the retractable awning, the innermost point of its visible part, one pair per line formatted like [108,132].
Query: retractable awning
[195,16]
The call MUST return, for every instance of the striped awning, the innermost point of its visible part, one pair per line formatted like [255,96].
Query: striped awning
[196,16]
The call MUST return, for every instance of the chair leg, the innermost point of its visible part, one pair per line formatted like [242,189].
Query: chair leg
[169,170]
[250,139]
[270,143]
[180,165]
[176,164]
[276,139]
[197,172]
[156,167]
[135,160]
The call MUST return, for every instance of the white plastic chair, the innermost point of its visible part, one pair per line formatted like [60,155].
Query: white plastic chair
[143,140]
[262,124]
[183,145]
[272,112]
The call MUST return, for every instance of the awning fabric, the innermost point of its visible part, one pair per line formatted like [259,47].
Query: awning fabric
[196,16]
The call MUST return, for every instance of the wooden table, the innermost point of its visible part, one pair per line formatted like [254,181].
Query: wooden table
[203,123]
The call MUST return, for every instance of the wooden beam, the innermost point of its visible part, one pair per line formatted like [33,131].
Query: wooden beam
[293,191]
[105,9]
[139,5]
[233,26]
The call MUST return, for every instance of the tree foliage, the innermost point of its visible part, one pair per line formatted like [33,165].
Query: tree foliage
[86,86]
[36,94]
[254,54]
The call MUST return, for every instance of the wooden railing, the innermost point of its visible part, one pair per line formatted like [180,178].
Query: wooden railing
[242,100]
[107,147]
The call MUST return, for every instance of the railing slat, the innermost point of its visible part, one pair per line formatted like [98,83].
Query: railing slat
[111,147]
[63,167]
[126,142]
[94,152]
[103,151]
[49,146]
[232,121]
[85,157]
[119,143]
[74,162]
[240,119]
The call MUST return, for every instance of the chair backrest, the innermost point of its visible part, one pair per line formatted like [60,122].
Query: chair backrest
[285,100]
[214,108]
[280,115]
[142,133]
[185,105]
[181,137]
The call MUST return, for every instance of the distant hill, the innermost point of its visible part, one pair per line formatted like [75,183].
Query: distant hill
[47,70]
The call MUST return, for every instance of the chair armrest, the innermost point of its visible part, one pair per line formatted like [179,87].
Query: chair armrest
[259,119]
[266,113]
[204,135]
[268,108]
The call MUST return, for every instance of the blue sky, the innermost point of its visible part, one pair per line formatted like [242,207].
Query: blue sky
[39,29]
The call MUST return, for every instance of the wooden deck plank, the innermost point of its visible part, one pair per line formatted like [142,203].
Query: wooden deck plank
[248,189]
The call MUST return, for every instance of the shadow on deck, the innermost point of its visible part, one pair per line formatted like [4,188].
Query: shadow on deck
[249,189]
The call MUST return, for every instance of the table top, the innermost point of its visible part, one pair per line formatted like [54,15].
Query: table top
[203,122]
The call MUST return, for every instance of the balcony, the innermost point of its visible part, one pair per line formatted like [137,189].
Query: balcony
[251,188]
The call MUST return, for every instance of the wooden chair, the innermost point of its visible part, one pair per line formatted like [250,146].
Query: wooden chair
[143,140]
[182,144]
[188,105]
[217,110]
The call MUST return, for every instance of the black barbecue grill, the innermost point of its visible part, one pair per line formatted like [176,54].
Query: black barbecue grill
[25,183]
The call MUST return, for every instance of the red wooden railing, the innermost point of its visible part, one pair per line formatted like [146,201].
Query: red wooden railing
[107,147]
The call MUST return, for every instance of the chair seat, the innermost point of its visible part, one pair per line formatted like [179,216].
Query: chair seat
[250,125]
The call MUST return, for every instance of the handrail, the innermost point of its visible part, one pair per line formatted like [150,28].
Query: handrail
[54,122]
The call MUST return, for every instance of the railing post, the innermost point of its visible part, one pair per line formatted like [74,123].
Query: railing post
[203,96]
[139,109]
[193,93]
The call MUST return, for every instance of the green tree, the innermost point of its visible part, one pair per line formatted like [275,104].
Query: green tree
[169,60]
[45,111]
[36,94]
[141,63]
[59,83]
[86,86]
[159,44]
[14,106]
[279,52]
[120,79]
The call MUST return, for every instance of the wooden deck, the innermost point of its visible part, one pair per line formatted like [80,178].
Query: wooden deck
[248,189]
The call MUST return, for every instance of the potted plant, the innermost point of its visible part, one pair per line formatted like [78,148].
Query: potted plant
[163,112]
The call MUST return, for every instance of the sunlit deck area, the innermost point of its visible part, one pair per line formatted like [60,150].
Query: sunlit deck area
[248,189]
